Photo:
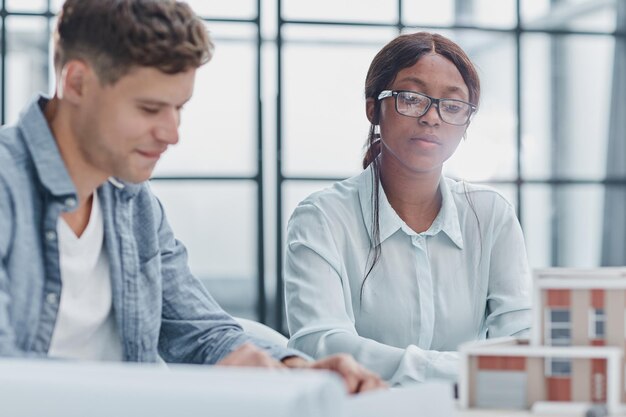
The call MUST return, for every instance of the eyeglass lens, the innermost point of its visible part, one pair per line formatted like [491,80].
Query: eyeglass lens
[416,105]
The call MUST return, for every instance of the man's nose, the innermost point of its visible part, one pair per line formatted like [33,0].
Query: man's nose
[167,130]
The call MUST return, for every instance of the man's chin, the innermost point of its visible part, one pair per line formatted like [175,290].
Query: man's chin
[135,178]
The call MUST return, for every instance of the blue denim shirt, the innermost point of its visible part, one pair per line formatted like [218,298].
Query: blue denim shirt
[160,307]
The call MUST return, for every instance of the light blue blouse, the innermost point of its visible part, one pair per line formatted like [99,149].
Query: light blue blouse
[465,278]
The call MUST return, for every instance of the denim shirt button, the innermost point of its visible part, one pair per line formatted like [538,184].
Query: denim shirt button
[70,202]
[52,298]
[51,235]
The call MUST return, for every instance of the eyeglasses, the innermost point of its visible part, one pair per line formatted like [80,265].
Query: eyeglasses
[413,104]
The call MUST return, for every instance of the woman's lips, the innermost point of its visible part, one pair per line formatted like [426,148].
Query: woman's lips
[429,139]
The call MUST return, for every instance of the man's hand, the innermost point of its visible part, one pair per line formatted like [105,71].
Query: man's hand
[356,377]
[250,355]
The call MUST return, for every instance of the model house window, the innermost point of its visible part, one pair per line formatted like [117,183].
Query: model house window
[558,333]
[558,367]
[558,327]
[597,319]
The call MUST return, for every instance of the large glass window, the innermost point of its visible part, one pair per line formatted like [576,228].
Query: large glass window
[279,113]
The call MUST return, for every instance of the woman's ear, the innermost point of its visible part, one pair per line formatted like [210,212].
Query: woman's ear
[370,111]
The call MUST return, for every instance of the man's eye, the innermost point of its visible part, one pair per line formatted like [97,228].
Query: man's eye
[150,110]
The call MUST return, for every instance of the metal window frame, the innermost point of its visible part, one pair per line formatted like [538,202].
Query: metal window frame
[518,182]
[261,302]
[281,178]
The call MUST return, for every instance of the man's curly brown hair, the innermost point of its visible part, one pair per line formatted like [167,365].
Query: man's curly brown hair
[115,36]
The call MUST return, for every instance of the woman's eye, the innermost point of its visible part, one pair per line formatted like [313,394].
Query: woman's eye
[412,100]
[452,108]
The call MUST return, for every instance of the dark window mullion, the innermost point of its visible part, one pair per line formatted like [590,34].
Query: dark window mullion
[3,51]
[278,300]
[518,105]
[260,251]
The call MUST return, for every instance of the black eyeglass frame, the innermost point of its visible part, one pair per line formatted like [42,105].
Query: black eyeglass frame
[431,100]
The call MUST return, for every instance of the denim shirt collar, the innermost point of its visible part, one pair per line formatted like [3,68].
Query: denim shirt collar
[49,165]
[447,219]
[127,189]
[44,150]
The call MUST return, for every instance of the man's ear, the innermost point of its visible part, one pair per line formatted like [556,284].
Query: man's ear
[370,111]
[74,80]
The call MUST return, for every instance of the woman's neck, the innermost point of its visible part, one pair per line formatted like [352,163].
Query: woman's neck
[414,196]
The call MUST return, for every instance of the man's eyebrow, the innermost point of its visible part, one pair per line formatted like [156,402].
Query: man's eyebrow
[159,103]
[151,102]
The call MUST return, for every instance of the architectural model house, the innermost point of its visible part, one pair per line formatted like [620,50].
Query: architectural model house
[576,349]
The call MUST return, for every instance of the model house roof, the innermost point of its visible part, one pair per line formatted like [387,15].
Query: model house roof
[572,278]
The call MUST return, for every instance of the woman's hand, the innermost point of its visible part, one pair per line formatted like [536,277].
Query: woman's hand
[356,377]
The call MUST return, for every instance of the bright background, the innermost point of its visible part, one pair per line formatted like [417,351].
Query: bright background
[279,113]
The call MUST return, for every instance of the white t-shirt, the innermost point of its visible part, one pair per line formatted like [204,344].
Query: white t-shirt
[85,326]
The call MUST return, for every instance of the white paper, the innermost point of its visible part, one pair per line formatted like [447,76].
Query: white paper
[79,389]
[429,399]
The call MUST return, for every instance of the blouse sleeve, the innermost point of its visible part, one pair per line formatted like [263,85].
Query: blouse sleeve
[509,290]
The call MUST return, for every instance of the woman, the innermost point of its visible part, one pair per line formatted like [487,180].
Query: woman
[399,265]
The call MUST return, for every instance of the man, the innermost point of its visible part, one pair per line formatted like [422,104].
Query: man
[90,267]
